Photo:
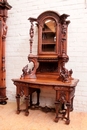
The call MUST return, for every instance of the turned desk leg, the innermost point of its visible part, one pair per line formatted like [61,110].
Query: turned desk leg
[31,99]
[71,108]
[27,103]
[38,95]
[68,113]
[57,103]
[18,103]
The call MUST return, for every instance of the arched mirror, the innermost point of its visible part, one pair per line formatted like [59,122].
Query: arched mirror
[49,36]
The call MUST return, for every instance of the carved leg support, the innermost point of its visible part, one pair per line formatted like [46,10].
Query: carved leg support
[68,112]
[71,108]
[57,111]
[27,102]
[31,99]
[38,95]
[18,103]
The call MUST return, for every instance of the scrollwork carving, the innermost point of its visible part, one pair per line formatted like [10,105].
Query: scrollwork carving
[27,72]
[65,75]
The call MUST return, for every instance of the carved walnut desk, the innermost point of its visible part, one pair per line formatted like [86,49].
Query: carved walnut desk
[65,93]
[48,68]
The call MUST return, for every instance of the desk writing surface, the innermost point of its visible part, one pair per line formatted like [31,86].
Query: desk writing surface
[48,82]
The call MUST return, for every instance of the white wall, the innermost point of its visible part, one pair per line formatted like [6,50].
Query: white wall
[17,44]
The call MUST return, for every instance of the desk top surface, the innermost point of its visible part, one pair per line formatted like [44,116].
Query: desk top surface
[47,81]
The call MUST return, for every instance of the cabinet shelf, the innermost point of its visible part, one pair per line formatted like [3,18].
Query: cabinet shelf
[48,31]
[52,40]
[48,38]
[45,43]
[48,47]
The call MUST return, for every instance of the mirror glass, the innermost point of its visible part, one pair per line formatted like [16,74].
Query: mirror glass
[49,36]
[49,25]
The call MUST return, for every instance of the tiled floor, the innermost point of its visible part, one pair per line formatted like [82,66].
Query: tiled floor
[38,120]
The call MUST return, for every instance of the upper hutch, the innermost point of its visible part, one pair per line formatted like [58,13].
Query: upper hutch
[52,47]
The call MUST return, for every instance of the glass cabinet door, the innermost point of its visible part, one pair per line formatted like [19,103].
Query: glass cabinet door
[49,36]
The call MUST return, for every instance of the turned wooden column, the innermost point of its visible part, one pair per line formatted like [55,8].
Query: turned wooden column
[4,7]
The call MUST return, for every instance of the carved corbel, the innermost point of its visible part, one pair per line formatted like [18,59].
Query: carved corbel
[64,28]
[27,72]
[65,75]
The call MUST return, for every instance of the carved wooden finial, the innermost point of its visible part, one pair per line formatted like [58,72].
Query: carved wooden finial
[31,32]
[31,36]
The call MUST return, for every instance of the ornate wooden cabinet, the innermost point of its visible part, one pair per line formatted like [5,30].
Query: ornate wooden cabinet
[52,47]
[49,64]
[4,7]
